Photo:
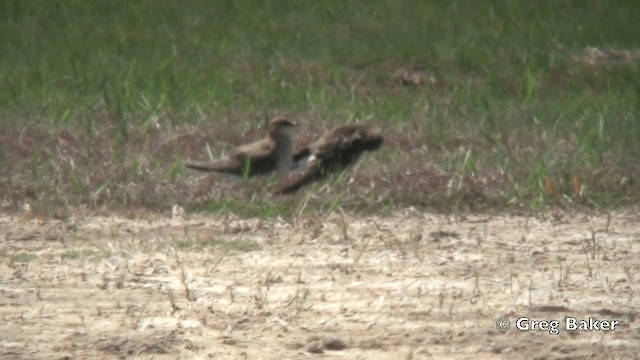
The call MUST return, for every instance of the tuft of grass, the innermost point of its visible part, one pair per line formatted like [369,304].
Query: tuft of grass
[261,209]
[185,245]
[22,257]
[238,245]
[84,254]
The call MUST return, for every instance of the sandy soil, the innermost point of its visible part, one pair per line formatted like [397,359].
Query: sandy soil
[407,286]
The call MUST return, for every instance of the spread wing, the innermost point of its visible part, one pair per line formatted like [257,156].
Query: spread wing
[330,144]
[333,151]
[299,179]
[346,142]
[334,143]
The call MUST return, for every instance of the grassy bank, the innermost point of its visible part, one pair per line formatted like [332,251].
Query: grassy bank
[520,104]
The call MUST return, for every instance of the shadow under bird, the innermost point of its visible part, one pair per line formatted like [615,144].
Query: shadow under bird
[273,153]
[332,152]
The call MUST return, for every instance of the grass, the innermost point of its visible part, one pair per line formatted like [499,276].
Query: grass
[226,246]
[100,101]
[21,257]
[244,208]
[73,254]
[184,245]
[233,246]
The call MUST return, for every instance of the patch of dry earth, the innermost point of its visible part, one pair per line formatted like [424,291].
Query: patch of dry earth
[411,285]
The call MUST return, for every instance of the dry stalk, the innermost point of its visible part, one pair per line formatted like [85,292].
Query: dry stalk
[105,281]
[295,296]
[301,298]
[400,246]
[594,245]
[232,297]
[225,224]
[627,271]
[185,229]
[586,256]
[260,299]
[172,301]
[215,265]
[359,254]
[566,272]
[135,323]
[610,284]
[476,288]
[479,237]
[511,280]
[121,280]
[345,227]
[187,290]
[564,276]
[560,275]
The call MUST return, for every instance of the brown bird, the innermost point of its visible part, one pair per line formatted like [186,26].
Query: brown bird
[332,152]
[273,153]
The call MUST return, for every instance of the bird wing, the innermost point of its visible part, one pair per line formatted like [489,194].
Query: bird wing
[298,179]
[337,141]
[340,142]
[333,151]
[255,151]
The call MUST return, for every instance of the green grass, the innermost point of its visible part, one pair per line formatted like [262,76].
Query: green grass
[226,246]
[244,208]
[21,257]
[184,245]
[84,254]
[101,100]
[233,246]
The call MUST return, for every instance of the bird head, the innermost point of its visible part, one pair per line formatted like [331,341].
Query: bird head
[281,126]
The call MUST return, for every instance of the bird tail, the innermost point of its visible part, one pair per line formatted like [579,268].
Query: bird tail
[218,166]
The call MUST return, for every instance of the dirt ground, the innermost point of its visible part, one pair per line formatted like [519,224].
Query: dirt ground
[411,285]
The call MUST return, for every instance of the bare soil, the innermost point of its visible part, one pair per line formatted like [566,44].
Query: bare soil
[411,285]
